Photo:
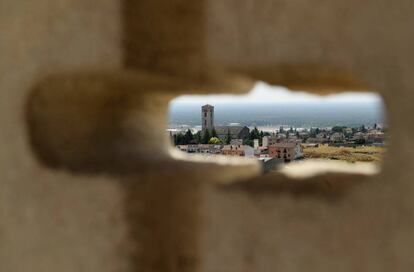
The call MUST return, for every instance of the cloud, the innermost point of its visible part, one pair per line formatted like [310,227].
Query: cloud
[263,93]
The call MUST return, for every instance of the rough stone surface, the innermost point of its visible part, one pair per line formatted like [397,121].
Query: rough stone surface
[74,197]
[54,220]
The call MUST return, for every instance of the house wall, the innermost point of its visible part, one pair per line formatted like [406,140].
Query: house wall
[248,151]
[275,151]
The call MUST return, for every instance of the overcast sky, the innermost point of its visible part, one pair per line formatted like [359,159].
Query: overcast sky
[263,93]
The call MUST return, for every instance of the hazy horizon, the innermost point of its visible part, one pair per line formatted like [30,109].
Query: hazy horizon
[269,105]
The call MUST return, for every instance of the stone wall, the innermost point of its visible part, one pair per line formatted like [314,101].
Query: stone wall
[85,185]
[53,220]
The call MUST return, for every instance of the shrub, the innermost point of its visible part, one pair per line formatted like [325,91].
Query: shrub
[214,140]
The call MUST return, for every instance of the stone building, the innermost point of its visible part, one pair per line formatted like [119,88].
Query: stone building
[288,151]
[236,132]
[271,140]
[207,118]
[207,122]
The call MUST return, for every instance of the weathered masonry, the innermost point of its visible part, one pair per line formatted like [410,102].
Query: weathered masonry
[84,90]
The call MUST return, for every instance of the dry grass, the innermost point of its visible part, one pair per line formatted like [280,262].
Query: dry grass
[358,154]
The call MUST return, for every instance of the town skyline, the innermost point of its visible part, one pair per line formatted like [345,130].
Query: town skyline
[364,143]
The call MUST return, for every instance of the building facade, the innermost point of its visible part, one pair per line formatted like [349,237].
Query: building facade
[235,132]
[238,150]
[288,151]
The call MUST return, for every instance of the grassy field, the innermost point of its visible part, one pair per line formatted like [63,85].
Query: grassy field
[358,154]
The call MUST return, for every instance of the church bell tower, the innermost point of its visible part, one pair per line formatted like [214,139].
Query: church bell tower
[207,118]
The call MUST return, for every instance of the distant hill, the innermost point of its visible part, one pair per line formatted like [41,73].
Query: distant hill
[294,114]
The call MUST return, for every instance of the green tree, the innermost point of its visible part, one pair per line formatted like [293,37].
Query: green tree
[214,133]
[198,137]
[254,134]
[214,140]
[338,129]
[180,139]
[175,139]
[227,140]
[188,137]
[261,137]
[206,137]
[248,142]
